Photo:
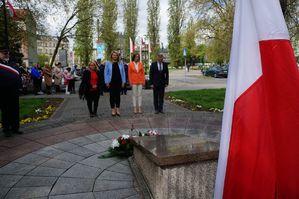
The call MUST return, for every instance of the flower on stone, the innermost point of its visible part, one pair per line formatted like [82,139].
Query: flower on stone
[125,137]
[38,110]
[115,143]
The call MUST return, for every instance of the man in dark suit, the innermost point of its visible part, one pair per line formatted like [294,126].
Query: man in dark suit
[10,83]
[159,79]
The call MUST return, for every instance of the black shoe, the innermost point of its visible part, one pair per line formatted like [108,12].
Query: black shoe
[161,112]
[18,132]
[95,115]
[156,112]
[91,115]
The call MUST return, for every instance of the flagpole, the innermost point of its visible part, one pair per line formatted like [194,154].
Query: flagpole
[5,25]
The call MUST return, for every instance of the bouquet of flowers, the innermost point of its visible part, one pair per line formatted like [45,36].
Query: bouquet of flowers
[122,146]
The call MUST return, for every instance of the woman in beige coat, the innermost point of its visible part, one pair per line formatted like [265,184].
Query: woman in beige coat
[57,76]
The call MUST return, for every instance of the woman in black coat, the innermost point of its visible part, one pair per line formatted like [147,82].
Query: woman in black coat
[91,85]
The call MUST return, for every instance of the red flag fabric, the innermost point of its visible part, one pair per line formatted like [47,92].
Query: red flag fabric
[259,146]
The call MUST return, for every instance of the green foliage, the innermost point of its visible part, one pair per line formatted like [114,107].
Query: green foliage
[176,16]
[42,58]
[195,53]
[153,26]
[84,31]
[15,35]
[130,10]
[108,25]
[214,26]
[206,98]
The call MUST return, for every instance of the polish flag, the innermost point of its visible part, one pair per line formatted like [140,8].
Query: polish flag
[131,45]
[11,10]
[259,149]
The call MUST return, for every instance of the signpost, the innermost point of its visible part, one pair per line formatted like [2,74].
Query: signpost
[185,54]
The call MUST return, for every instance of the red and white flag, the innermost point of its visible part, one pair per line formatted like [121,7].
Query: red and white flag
[11,9]
[259,148]
[131,45]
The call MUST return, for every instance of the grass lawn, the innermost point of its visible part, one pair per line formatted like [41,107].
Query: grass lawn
[206,99]
[29,105]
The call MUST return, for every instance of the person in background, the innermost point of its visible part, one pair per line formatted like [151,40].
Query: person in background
[136,79]
[159,78]
[10,83]
[101,69]
[36,76]
[125,89]
[91,84]
[115,78]
[72,81]
[57,76]
[67,76]
[47,72]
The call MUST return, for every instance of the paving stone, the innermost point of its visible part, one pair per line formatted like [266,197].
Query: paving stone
[96,147]
[46,171]
[28,192]
[95,161]
[134,197]
[115,194]
[72,185]
[60,164]
[3,191]
[32,159]
[120,168]
[16,169]
[9,180]
[82,151]
[81,141]
[106,144]
[69,157]
[124,162]
[33,181]
[110,175]
[48,152]
[82,171]
[65,146]
[88,195]
[97,137]
[106,185]
[111,135]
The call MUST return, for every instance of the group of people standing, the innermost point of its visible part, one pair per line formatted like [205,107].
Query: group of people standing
[115,80]
[52,75]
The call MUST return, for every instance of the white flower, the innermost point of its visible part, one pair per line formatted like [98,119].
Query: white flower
[115,143]
[125,137]
[38,110]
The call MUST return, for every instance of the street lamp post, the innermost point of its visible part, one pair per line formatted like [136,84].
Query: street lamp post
[5,25]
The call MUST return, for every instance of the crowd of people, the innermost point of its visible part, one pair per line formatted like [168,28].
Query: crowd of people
[111,76]
[52,79]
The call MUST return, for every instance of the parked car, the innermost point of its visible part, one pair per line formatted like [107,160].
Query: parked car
[216,71]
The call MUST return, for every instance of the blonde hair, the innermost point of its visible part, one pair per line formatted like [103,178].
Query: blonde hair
[114,52]
[95,63]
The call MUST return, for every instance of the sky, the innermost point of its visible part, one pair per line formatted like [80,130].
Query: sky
[142,20]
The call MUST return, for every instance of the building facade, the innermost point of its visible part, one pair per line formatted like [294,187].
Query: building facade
[46,46]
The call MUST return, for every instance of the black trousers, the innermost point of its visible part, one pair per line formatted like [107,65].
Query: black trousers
[9,104]
[115,97]
[92,98]
[36,85]
[71,87]
[159,97]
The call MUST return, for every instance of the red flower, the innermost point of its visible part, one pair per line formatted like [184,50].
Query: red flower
[123,142]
